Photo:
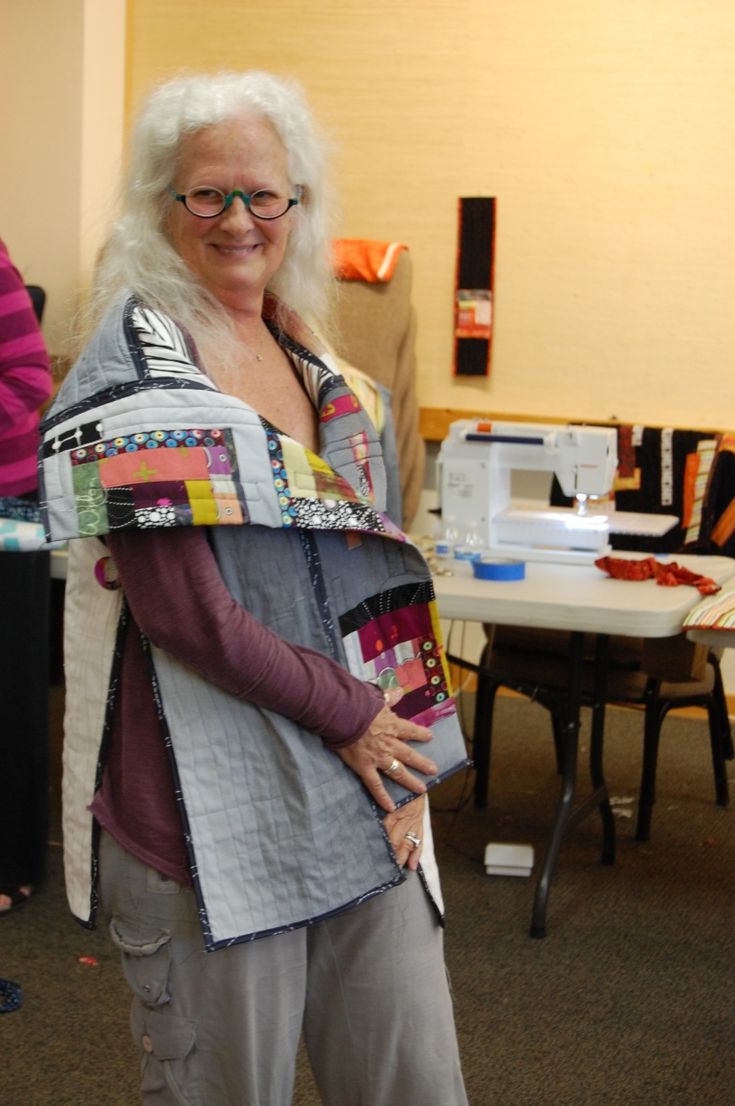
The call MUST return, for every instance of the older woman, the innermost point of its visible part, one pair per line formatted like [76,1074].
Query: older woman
[251,653]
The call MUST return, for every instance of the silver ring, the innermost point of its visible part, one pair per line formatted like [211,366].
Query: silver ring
[392,767]
[415,841]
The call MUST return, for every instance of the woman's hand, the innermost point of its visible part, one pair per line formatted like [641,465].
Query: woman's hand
[383,748]
[404,828]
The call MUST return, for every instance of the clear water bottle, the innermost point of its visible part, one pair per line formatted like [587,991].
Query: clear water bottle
[470,548]
[447,540]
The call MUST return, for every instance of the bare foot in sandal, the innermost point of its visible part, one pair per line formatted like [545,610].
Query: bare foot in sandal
[11,900]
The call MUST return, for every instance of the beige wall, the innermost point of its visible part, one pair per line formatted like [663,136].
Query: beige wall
[62,87]
[604,127]
[605,130]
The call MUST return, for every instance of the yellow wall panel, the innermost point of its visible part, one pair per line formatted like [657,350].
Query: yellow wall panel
[605,129]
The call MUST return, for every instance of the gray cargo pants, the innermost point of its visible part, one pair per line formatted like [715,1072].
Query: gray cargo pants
[368,988]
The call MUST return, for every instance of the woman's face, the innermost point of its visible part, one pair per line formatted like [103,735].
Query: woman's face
[234,255]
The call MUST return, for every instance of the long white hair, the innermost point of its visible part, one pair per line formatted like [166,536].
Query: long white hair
[138,254]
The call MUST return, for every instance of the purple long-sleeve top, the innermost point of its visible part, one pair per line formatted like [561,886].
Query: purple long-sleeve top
[177,598]
[25,382]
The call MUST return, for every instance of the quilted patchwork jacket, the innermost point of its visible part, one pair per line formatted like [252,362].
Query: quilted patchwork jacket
[139,436]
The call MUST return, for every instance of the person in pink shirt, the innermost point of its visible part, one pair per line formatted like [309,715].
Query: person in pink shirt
[25,385]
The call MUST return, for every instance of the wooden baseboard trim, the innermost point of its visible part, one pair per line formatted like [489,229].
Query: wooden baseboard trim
[434,422]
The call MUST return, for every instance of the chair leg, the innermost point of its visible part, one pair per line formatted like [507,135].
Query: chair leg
[655,712]
[718,694]
[487,689]
[718,745]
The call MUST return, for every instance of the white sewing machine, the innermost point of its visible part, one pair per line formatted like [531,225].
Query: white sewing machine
[475,464]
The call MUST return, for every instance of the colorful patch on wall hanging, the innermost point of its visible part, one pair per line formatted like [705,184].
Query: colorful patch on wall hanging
[474,278]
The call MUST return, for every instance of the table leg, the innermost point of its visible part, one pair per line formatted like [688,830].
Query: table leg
[570,741]
[567,813]
[599,789]
[482,729]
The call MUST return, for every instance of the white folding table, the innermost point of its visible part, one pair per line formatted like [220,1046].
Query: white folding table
[581,599]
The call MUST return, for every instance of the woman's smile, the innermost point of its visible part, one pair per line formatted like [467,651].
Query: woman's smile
[237,251]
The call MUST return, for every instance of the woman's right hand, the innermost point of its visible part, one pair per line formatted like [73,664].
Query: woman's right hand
[384,746]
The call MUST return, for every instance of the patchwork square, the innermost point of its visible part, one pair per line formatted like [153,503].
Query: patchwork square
[155,478]
[311,494]
[392,640]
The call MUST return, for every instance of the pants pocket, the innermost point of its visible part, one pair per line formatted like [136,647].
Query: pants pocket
[146,960]
[166,1040]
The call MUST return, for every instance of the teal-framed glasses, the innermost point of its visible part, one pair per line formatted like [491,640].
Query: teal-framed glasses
[207,203]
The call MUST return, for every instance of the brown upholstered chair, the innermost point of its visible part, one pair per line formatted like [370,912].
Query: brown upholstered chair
[376,333]
[658,675]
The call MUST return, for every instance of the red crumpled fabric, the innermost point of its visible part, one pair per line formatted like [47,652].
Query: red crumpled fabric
[666,575]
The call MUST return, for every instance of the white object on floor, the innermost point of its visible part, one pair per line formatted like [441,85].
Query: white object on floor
[508,860]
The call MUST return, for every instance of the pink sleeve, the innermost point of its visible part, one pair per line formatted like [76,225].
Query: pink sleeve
[25,379]
[179,600]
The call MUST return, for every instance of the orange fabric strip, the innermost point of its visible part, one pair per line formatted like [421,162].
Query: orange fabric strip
[691,468]
[723,529]
[364,259]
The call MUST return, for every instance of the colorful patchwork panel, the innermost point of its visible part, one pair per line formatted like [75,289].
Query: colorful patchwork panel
[311,494]
[392,640]
[157,478]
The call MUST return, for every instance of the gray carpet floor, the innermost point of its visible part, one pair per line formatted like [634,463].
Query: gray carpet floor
[628,1000]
